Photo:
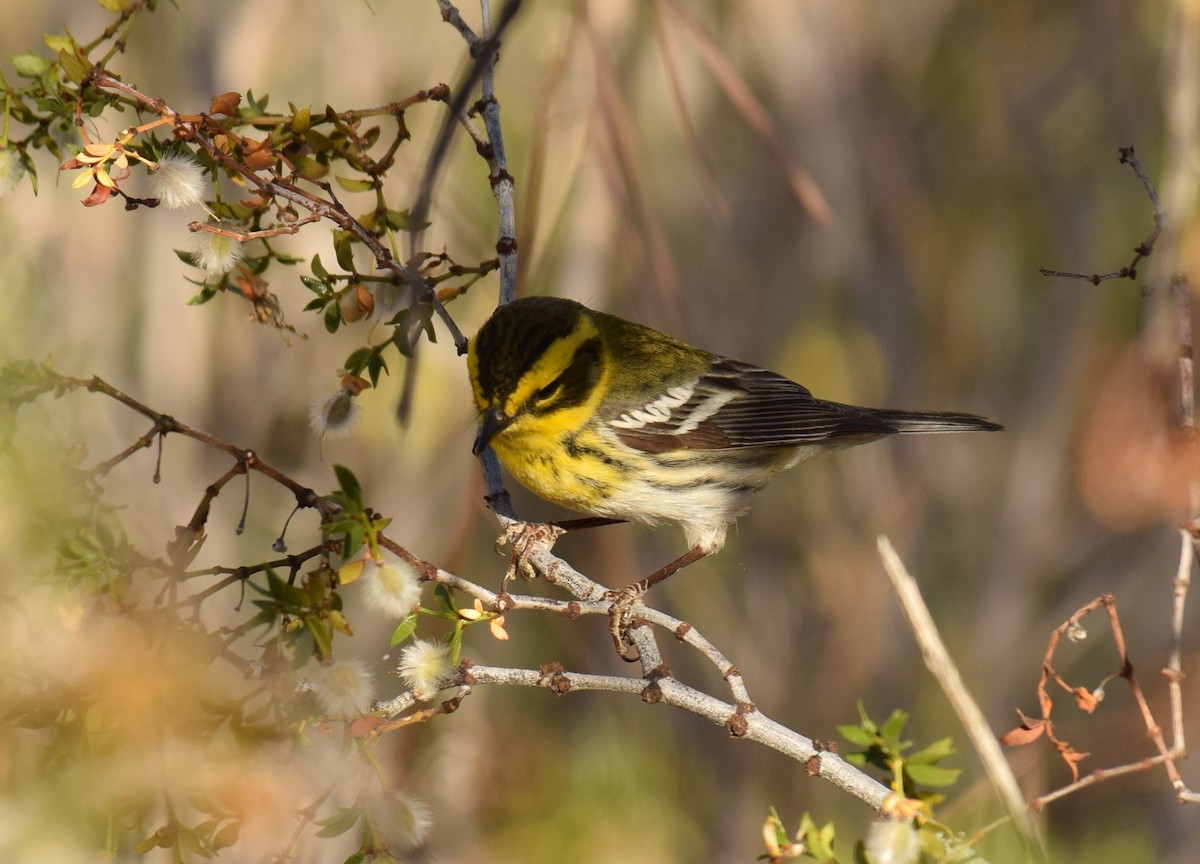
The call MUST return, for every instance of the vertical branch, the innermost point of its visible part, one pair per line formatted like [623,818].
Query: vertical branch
[502,182]
[1189,534]
[484,49]
[945,672]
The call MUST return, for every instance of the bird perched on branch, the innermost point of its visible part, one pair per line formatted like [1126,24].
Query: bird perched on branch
[617,420]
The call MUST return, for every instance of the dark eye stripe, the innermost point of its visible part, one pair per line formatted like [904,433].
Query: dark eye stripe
[576,382]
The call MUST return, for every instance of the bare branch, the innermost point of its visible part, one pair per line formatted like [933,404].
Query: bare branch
[945,672]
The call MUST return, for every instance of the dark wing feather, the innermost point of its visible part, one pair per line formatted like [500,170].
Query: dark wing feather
[735,405]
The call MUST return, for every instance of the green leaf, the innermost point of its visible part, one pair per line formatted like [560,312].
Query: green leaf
[356,361]
[206,294]
[374,366]
[343,819]
[856,735]
[344,250]
[357,858]
[445,598]
[893,726]
[351,184]
[349,485]
[932,775]
[935,751]
[301,120]
[320,287]
[455,640]
[319,270]
[74,65]
[283,592]
[333,317]
[58,43]
[30,171]
[405,629]
[31,65]
[114,5]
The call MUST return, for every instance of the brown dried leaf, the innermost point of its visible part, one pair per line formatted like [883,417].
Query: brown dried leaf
[226,103]
[259,155]
[1085,700]
[1029,731]
[1072,757]
[100,194]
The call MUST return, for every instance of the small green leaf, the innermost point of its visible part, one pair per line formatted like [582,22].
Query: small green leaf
[31,65]
[405,629]
[374,366]
[333,317]
[30,171]
[349,485]
[344,250]
[351,184]
[206,294]
[856,735]
[339,823]
[302,120]
[445,598]
[893,726]
[320,287]
[283,592]
[932,775]
[319,270]
[58,43]
[356,361]
[74,65]
[114,5]
[935,751]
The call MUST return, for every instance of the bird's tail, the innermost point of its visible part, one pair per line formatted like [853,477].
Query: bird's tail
[934,421]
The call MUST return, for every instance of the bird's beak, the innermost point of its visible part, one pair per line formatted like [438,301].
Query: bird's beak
[490,425]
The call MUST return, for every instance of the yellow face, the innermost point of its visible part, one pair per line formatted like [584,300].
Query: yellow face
[534,407]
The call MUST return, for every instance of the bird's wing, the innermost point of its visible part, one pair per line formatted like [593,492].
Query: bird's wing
[735,404]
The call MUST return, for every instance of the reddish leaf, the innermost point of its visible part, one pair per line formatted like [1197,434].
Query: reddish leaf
[226,103]
[363,726]
[1029,731]
[99,195]
[1085,700]
[1022,735]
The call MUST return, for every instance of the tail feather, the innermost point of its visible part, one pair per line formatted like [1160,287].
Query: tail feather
[905,422]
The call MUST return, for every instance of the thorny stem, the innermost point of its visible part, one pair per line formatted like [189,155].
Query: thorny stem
[1140,252]
[199,128]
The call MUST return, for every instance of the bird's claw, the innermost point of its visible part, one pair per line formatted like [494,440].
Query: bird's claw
[525,538]
[621,619]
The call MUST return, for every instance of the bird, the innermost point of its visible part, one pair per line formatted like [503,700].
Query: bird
[618,420]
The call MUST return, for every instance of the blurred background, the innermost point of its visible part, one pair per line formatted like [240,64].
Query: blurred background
[857,195]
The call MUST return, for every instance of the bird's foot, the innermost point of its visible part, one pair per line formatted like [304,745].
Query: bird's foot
[525,538]
[621,619]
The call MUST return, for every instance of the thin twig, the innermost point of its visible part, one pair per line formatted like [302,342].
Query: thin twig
[201,128]
[165,424]
[1088,700]
[945,672]
[742,721]
[1140,252]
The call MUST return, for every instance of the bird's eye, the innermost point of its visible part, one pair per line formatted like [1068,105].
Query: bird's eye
[545,394]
